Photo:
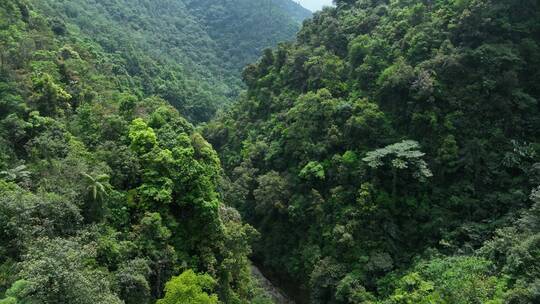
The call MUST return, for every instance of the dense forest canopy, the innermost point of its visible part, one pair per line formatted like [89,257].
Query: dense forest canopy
[188,52]
[387,155]
[107,193]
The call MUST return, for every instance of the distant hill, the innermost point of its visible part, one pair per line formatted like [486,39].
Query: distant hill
[294,9]
[188,52]
[243,28]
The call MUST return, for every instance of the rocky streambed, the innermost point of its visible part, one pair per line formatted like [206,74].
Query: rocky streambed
[274,292]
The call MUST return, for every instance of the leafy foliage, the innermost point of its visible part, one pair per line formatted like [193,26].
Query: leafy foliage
[106,191]
[395,133]
[385,156]
[189,288]
[188,52]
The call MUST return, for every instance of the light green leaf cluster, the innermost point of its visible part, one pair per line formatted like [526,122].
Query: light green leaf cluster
[189,288]
[403,155]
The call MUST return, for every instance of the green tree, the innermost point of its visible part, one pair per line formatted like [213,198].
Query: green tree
[143,138]
[49,98]
[271,194]
[132,278]
[17,174]
[189,288]
[459,280]
[58,271]
[313,170]
[97,188]
[15,293]
[402,155]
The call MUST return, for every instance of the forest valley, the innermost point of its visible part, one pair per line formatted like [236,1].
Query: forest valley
[374,152]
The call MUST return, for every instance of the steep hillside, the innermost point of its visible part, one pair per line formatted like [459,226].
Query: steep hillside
[106,195]
[191,57]
[388,155]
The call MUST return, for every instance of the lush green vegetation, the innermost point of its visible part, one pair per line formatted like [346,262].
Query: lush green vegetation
[388,155]
[190,53]
[107,194]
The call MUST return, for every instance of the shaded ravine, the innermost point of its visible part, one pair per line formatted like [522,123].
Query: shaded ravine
[274,292]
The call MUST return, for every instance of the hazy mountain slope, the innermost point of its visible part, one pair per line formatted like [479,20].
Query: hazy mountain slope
[293,9]
[191,60]
[243,28]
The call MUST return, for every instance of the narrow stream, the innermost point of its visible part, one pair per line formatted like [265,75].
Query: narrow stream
[275,293]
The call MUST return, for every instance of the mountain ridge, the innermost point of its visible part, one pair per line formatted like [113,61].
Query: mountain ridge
[203,67]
